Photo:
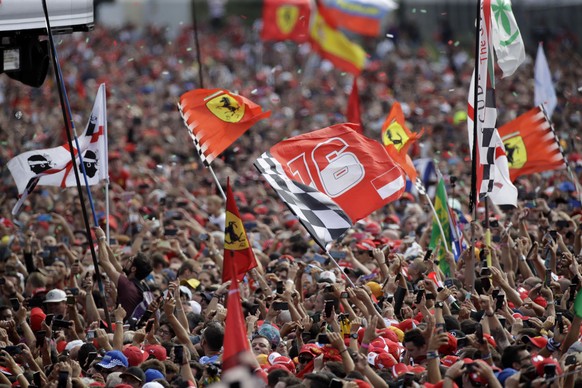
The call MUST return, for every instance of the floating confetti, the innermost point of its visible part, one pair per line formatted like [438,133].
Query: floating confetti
[515,94]
[443,13]
[457,43]
[580,89]
[18,115]
[87,40]
[423,11]
[130,60]
[451,90]
[413,10]
[390,36]
[189,49]
[298,71]
[450,42]
[254,91]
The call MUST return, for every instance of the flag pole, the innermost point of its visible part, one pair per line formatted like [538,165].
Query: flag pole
[106,163]
[470,275]
[201,83]
[340,268]
[422,191]
[568,168]
[70,128]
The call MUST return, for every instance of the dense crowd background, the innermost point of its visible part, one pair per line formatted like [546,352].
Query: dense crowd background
[167,228]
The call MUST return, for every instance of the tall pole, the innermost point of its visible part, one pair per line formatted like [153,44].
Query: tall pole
[69,129]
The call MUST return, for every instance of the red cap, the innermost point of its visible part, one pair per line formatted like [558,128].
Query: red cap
[373,228]
[538,342]
[245,217]
[312,349]
[158,351]
[539,362]
[285,362]
[366,245]
[37,317]
[407,324]
[449,360]
[450,347]
[134,355]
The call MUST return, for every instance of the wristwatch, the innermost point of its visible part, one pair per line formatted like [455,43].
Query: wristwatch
[438,305]
[354,335]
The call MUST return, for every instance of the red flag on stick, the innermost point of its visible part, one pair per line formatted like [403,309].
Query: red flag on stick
[216,118]
[286,20]
[531,144]
[238,255]
[397,139]
[235,336]
[353,112]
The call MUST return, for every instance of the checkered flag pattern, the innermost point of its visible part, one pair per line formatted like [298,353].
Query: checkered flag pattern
[206,159]
[549,123]
[319,214]
[489,141]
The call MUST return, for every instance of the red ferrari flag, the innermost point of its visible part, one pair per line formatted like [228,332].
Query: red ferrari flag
[353,112]
[397,139]
[238,255]
[216,118]
[531,144]
[351,169]
[286,20]
[235,335]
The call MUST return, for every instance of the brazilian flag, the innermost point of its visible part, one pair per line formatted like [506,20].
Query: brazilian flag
[443,215]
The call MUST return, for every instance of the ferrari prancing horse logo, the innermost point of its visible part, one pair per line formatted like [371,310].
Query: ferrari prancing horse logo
[516,152]
[226,108]
[287,16]
[396,135]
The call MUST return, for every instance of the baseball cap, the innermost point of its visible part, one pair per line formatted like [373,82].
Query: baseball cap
[538,342]
[134,372]
[381,360]
[186,291]
[112,359]
[327,276]
[375,288]
[153,374]
[55,296]
[366,245]
[158,351]
[192,283]
[37,317]
[286,362]
[134,355]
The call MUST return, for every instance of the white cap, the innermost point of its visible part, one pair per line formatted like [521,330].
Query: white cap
[186,290]
[327,276]
[55,296]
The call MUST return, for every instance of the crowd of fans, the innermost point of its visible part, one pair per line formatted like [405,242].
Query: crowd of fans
[508,322]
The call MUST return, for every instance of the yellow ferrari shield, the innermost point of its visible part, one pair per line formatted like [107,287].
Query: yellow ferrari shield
[396,135]
[516,152]
[234,233]
[287,16]
[226,108]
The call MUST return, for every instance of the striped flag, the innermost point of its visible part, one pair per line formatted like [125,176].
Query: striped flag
[491,172]
[531,144]
[333,45]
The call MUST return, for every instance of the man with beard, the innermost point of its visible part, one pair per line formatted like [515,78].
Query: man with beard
[126,278]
